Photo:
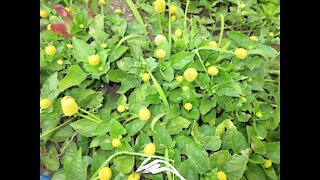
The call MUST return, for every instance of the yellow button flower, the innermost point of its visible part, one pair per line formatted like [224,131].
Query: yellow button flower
[144,114]
[105,173]
[149,149]
[241,53]
[190,74]
[159,6]
[45,103]
[221,175]
[69,106]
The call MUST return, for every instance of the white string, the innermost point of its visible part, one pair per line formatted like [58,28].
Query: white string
[154,167]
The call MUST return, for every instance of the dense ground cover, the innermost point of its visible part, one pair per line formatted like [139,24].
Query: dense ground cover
[195,83]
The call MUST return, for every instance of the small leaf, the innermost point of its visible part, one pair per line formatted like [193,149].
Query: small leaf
[181,59]
[84,127]
[116,129]
[176,125]
[74,77]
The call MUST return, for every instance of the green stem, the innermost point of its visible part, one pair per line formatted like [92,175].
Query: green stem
[58,127]
[126,121]
[159,21]
[90,114]
[185,14]
[70,2]
[93,177]
[197,53]
[102,9]
[169,35]
[66,2]
[221,29]
[166,155]
[89,118]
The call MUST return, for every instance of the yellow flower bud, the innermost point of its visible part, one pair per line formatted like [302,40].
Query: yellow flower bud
[173,9]
[105,173]
[69,106]
[267,164]
[241,53]
[212,70]
[149,149]
[45,103]
[159,6]
[44,14]
[160,53]
[50,50]
[144,114]
[190,74]
[221,175]
[213,44]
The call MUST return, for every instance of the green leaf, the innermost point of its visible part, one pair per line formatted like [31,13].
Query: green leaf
[188,169]
[77,168]
[218,159]
[74,77]
[51,163]
[97,23]
[136,52]
[136,14]
[168,74]
[255,172]
[212,143]
[117,53]
[238,142]
[102,128]
[117,75]
[202,80]
[241,39]
[256,159]
[141,140]
[270,172]
[99,36]
[97,140]
[84,127]
[134,126]
[228,90]
[235,167]
[273,152]
[151,64]
[61,134]
[124,163]
[181,59]
[116,129]
[129,82]
[161,137]
[258,146]
[81,50]
[50,87]
[207,103]
[176,125]
[105,144]
[199,157]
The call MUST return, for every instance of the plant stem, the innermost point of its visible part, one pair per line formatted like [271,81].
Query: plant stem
[185,14]
[90,114]
[93,177]
[126,121]
[159,20]
[169,174]
[89,118]
[221,29]
[58,127]
[197,53]
[169,26]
